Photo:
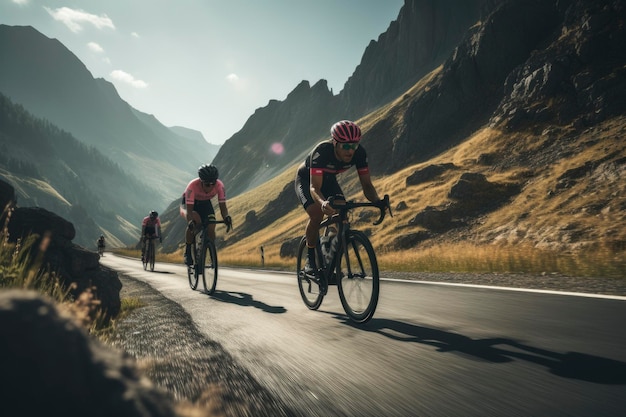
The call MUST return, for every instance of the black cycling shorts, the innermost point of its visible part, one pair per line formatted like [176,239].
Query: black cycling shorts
[330,186]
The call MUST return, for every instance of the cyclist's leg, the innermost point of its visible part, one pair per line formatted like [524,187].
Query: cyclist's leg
[314,211]
[207,213]
[190,234]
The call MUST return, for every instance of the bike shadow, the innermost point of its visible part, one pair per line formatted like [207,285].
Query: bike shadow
[574,365]
[246,300]
[161,272]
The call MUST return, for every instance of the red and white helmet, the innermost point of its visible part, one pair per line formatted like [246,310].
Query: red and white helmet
[345,131]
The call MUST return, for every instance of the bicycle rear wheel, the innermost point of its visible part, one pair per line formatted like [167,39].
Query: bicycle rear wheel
[209,272]
[310,288]
[357,278]
[192,270]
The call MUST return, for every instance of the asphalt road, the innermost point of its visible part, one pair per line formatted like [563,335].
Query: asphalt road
[430,350]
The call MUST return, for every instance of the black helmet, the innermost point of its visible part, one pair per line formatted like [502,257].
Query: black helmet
[208,173]
[154,214]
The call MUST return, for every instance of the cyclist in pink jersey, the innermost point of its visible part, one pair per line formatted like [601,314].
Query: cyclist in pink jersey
[150,227]
[196,206]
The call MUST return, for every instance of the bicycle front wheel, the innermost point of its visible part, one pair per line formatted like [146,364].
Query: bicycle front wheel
[192,273]
[145,257]
[310,288]
[357,278]
[152,255]
[209,272]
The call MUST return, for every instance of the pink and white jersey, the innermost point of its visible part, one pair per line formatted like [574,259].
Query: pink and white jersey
[194,192]
[147,221]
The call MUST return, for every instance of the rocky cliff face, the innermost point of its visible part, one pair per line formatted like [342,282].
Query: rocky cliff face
[422,37]
[464,94]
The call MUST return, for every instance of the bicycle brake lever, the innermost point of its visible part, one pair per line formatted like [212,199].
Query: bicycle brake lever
[385,205]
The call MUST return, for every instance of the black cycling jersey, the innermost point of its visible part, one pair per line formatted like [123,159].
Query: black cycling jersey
[323,158]
[322,161]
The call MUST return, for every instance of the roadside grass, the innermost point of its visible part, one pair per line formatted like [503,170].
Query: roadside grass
[460,257]
[18,270]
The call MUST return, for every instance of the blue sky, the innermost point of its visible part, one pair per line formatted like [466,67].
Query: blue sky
[209,64]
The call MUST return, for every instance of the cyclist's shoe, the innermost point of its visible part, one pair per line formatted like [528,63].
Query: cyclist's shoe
[309,270]
[188,260]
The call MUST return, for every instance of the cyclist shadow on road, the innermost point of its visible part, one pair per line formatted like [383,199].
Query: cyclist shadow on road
[246,300]
[573,365]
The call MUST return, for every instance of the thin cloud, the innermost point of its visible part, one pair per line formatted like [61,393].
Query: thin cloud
[76,19]
[95,47]
[128,79]
[232,78]
[134,34]
[20,2]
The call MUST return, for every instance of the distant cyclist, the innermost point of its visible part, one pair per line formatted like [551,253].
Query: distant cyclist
[101,245]
[196,206]
[316,179]
[150,228]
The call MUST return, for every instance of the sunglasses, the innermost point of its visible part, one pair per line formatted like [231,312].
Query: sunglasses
[349,146]
[208,184]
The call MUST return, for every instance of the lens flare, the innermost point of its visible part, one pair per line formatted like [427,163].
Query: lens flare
[278,148]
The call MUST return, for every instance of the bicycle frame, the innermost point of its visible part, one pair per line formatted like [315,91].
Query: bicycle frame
[352,265]
[342,223]
[150,253]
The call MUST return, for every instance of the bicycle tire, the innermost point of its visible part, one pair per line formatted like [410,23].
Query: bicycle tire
[192,270]
[357,277]
[144,259]
[310,289]
[209,272]
[152,255]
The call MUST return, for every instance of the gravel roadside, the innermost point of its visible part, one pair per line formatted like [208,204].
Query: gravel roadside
[199,374]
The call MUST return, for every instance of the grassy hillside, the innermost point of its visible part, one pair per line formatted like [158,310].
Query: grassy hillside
[569,216]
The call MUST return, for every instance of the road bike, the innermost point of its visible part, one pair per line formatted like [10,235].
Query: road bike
[150,253]
[204,256]
[349,262]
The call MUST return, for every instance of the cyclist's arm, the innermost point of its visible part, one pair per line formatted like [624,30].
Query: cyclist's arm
[368,188]
[316,194]
[223,209]
[189,212]
[316,188]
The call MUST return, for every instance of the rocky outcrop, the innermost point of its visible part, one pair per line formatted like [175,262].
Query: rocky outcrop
[579,77]
[78,269]
[471,195]
[50,366]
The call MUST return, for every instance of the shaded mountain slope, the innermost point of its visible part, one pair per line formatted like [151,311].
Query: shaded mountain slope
[48,80]
[50,168]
